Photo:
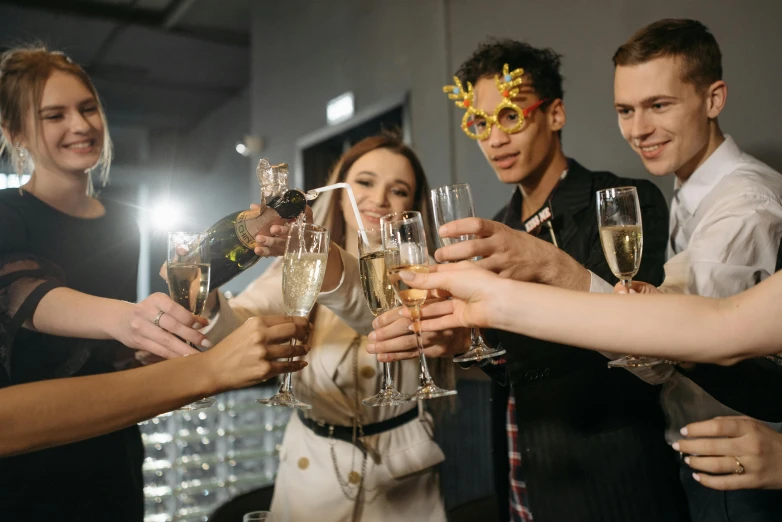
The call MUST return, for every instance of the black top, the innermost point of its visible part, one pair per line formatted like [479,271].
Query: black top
[99,478]
[591,438]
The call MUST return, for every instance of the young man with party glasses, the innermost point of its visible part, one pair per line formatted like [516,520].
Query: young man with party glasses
[726,226]
[587,440]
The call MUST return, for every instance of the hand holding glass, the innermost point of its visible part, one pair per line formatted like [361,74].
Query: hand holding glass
[449,203]
[621,234]
[380,298]
[404,242]
[303,268]
[187,271]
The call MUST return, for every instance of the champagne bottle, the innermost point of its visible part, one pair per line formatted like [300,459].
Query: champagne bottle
[232,239]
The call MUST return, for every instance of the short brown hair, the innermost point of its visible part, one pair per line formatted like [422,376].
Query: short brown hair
[689,40]
[23,75]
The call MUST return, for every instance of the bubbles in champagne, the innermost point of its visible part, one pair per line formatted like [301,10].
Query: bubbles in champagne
[410,297]
[302,277]
[622,246]
[374,279]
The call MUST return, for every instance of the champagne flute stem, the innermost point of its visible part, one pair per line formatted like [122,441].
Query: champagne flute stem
[626,283]
[287,381]
[388,381]
[425,377]
[475,338]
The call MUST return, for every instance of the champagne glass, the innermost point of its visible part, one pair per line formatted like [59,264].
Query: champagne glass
[187,270]
[380,298]
[404,242]
[621,234]
[449,203]
[303,268]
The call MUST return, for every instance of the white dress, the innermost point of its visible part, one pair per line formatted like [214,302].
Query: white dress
[400,482]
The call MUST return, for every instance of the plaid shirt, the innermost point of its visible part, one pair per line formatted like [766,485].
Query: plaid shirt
[519,505]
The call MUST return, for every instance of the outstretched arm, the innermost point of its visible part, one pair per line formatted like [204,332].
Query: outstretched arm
[60,411]
[687,328]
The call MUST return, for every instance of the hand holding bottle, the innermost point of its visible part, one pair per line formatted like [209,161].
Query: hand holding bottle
[273,245]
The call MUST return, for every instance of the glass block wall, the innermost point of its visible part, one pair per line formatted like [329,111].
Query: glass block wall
[197,460]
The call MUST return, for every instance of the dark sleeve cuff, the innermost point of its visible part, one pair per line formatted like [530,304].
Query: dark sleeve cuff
[752,387]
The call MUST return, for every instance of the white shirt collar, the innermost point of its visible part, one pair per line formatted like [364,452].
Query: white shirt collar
[721,163]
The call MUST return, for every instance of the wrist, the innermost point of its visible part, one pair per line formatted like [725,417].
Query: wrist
[118,314]
[565,272]
[206,372]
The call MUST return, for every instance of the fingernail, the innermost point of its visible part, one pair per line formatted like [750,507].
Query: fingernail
[410,328]
[633,291]
[696,477]
[675,446]
[372,336]
[197,326]
[375,325]
[407,275]
[206,344]
[303,363]
[683,431]
[687,460]
[371,348]
[621,292]
[401,311]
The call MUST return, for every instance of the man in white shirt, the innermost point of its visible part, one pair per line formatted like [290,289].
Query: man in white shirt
[726,214]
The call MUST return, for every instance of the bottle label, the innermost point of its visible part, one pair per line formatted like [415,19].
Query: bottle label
[242,232]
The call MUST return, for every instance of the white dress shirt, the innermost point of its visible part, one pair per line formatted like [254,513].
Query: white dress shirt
[726,227]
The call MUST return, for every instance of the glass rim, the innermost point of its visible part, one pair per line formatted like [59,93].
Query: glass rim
[618,190]
[311,227]
[404,215]
[442,188]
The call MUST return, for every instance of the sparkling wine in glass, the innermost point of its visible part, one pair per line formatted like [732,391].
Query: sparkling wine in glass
[380,298]
[404,243]
[188,270]
[303,268]
[621,234]
[449,203]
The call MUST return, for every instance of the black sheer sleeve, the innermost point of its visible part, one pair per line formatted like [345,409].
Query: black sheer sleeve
[24,280]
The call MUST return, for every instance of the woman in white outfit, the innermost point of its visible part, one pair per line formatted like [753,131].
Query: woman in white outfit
[390,475]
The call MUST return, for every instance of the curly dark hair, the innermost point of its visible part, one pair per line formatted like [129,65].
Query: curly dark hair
[542,65]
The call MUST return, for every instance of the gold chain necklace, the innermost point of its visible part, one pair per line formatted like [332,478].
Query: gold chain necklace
[353,477]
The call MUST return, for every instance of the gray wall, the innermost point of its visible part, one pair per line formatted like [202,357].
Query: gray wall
[198,170]
[305,53]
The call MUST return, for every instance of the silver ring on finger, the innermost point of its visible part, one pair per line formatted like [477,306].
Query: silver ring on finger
[156,322]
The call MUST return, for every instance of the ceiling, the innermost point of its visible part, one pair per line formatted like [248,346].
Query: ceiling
[159,65]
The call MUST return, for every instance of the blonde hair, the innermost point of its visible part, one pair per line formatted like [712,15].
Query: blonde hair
[24,72]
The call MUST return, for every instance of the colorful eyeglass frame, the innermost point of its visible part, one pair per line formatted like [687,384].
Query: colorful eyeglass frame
[508,116]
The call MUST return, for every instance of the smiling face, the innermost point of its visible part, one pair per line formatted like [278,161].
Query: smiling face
[383,182]
[666,120]
[70,131]
[515,157]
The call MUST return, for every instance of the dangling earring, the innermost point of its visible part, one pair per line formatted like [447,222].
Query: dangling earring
[20,160]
